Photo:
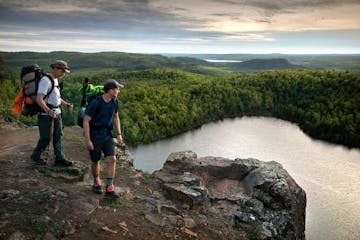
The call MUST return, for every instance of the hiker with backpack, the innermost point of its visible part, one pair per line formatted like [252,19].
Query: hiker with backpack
[49,117]
[100,116]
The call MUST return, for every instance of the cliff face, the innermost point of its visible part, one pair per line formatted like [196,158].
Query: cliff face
[258,197]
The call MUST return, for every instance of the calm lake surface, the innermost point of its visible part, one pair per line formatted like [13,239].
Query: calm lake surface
[329,173]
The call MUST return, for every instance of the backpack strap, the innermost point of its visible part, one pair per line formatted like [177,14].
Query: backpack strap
[99,106]
[100,101]
[97,109]
[52,89]
[52,84]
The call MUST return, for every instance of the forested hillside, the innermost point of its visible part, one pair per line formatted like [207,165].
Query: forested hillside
[111,60]
[339,62]
[263,64]
[194,63]
[158,103]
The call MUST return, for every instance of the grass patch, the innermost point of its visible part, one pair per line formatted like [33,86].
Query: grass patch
[146,177]
[121,205]
[40,198]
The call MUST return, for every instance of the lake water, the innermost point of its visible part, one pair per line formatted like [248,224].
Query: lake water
[329,173]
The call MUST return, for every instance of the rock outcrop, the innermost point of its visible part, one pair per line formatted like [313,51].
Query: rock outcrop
[260,197]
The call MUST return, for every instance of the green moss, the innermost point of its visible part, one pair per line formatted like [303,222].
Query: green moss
[146,177]
[121,205]
[40,198]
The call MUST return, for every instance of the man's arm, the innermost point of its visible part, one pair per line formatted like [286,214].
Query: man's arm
[86,127]
[43,89]
[66,104]
[41,102]
[43,106]
[116,122]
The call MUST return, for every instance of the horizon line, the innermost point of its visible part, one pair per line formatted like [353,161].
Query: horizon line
[186,53]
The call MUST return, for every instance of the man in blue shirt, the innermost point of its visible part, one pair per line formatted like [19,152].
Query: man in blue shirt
[100,116]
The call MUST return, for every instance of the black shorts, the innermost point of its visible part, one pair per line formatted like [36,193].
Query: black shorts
[106,145]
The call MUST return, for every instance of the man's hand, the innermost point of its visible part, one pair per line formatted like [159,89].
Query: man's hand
[89,145]
[119,139]
[69,106]
[52,113]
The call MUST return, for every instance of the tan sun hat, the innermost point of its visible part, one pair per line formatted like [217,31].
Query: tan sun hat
[61,65]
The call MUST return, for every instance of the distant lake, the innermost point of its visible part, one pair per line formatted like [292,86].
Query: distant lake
[329,173]
[222,61]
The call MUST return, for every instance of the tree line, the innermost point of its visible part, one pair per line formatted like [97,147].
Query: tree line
[159,103]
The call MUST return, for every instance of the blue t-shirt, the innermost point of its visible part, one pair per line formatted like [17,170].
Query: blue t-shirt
[101,117]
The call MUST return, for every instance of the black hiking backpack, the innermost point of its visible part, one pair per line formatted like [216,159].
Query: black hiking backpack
[30,78]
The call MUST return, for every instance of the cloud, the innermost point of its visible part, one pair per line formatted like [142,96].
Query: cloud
[81,13]
[161,23]
[187,15]
[74,45]
[254,16]
[222,38]
[248,37]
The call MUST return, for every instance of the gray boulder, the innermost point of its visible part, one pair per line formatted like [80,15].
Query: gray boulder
[244,193]
[77,172]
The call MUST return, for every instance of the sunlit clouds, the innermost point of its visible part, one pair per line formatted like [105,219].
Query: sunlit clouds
[230,16]
[193,26]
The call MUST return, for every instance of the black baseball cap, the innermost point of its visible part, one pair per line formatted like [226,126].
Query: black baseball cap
[111,84]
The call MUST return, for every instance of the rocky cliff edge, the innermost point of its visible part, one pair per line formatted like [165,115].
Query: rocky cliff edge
[189,198]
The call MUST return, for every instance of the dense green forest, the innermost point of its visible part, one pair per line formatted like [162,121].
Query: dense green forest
[112,60]
[161,102]
[194,63]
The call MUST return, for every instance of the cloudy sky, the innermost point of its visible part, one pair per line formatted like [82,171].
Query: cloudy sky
[181,26]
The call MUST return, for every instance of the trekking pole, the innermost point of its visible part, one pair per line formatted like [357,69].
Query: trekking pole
[85,84]
[48,146]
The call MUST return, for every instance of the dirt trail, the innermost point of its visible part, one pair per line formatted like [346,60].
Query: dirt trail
[36,207]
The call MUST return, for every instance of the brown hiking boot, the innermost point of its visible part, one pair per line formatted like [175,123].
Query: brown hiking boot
[63,163]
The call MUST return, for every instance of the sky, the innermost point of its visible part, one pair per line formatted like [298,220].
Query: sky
[181,26]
